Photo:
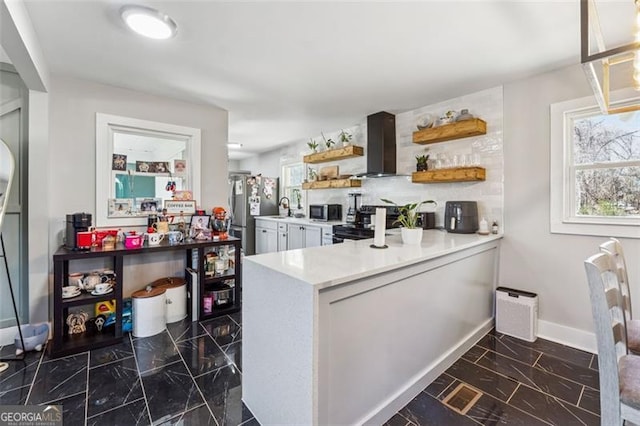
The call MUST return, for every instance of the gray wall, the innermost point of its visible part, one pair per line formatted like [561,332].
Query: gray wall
[531,257]
[267,163]
[73,105]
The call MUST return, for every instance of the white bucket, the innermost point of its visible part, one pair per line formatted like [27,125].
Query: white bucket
[148,312]
[176,295]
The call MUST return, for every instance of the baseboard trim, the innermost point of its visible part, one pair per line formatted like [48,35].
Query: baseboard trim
[573,337]
[385,411]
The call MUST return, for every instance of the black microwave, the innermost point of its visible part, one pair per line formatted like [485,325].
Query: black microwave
[325,212]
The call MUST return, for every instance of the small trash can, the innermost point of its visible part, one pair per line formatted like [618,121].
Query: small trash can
[176,297]
[149,307]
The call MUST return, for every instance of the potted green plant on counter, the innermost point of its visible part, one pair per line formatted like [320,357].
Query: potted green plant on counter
[408,218]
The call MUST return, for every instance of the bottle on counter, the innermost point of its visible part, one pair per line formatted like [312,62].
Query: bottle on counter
[484,227]
[494,227]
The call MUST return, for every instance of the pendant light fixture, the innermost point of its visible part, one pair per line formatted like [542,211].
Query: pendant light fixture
[149,22]
[590,26]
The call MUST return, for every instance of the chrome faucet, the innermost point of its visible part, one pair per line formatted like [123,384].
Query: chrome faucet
[288,205]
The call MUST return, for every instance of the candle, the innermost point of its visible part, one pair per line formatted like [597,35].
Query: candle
[381,220]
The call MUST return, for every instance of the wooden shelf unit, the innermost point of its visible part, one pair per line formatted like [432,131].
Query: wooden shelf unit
[447,132]
[334,154]
[459,174]
[333,183]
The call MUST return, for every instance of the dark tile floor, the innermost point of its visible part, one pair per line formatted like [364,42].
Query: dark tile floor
[191,375]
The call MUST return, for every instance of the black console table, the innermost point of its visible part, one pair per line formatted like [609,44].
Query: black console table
[65,344]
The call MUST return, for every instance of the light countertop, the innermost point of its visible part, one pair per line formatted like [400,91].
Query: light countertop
[330,265]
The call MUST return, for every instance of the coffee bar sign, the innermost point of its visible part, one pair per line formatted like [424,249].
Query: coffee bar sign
[182,206]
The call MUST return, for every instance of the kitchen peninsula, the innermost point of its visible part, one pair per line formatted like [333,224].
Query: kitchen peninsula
[348,334]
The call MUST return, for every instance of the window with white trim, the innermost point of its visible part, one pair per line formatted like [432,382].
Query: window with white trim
[292,178]
[595,170]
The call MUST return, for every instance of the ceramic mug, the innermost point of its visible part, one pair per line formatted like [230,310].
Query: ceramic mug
[74,278]
[155,238]
[102,288]
[69,290]
[175,237]
[161,227]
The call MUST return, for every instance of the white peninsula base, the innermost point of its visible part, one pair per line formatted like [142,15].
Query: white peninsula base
[347,334]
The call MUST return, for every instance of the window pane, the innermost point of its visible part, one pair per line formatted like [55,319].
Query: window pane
[608,192]
[605,138]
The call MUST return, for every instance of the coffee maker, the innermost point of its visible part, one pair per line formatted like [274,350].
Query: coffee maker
[76,222]
[352,212]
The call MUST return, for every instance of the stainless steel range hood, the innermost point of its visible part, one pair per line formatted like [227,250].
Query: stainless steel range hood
[381,145]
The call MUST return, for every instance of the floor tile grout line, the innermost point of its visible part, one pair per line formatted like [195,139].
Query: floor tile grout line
[33,381]
[115,408]
[110,362]
[515,408]
[537,359]
[543,370]
[513,393]
[86,399]
[580,397]
[144,393]
[206,403]
[523,384]
[521,345]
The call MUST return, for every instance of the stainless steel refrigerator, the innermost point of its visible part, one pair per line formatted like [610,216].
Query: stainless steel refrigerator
[250,196]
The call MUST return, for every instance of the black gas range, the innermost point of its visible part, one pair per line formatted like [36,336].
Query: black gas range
[362,229]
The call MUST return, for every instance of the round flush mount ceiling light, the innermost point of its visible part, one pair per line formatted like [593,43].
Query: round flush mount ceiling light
[149,22]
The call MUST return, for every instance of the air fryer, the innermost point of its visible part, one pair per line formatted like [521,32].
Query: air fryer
[461,217]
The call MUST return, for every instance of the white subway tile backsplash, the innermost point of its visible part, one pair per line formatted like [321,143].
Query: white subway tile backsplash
[487,105]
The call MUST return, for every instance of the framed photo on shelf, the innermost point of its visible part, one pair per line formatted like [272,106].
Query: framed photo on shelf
[150,205]
[200,222]
[120,207]
[177,206]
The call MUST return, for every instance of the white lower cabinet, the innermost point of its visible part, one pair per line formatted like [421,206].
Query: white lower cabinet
[282,237]
[266,237]
[303,236]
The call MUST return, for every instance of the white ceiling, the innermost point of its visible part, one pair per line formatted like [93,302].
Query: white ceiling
[288,70]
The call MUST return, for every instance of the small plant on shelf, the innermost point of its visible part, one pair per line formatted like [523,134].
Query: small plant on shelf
[421,162]
[345,138]
[408,217]
[313,145]
[327,142]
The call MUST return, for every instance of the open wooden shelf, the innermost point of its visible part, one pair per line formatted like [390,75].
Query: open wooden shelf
[460,174]
[333,183]
[447,132]
[334,154]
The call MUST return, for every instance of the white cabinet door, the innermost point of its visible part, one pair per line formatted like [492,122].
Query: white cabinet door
[312,236]
[295,237]
[266,240]
[282,237]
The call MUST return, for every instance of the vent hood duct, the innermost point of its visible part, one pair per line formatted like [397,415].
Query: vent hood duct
[381,145]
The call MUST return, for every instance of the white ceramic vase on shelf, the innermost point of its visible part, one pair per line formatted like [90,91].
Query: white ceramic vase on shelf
[411,235]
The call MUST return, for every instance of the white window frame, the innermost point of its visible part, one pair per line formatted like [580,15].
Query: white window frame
[284,187]
[562,173]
